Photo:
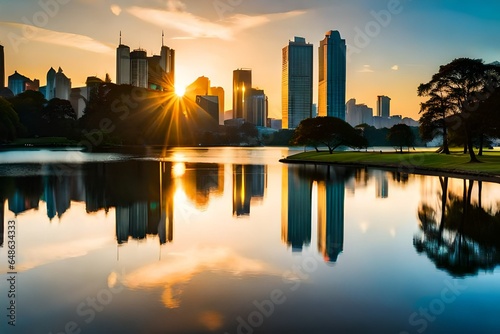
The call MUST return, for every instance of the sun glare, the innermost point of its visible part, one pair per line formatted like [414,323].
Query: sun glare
[180,91]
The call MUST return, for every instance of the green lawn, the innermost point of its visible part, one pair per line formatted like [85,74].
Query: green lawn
[455,162]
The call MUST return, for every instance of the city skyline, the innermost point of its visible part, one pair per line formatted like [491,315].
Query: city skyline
[389,47]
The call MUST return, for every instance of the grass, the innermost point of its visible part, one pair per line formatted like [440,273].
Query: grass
[455,162]
[42,141]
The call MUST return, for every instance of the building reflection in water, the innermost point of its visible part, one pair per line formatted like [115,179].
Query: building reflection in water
[141,191]
[249,183]
[381,183]
[297,217]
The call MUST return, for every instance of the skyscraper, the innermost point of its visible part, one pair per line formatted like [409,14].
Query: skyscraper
[257,107]
[122,64]
[332,76]
[2,68]
[384,106]
[297,82]
[167,64]
[242,84]
[139,68]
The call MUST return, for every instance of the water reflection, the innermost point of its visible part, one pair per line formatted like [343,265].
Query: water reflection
[457,232]
[249,183]
[329,185]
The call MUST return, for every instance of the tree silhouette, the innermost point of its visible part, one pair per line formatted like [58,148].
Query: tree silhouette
[458,89]
[10,127]
[331,132]
[465,240]
[401,135]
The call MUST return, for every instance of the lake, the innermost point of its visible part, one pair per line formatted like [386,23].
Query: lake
[228,240]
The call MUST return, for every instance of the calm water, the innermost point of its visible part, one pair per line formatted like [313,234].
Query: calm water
[232,241]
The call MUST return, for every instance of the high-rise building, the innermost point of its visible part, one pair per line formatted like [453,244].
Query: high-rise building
[242,84]
[257,107]
[210,104]
[384,106]
[50,90]
[2,68]
[332,76]
[18,83]
[135,68]
[63,85]
[167,64]
[297,82]
[357,114]
[219,92]
[122,64]
[139,68]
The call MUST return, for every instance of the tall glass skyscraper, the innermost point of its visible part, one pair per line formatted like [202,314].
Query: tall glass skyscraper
[332,76]
[297,82]
[2,68]
[242,86]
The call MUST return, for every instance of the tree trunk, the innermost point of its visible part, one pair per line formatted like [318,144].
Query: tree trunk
[481,143]
[446,148]
[470,145]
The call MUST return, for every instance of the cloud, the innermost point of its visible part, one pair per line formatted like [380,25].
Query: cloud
[181,268]
[116,9]
[176,17]
[395,68]
[23,33]
[366,69]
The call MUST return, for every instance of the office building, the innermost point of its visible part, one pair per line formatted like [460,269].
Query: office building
[210,104]
[2,68]
[139,68]
[18,83]
[384,106]
[332,76]
[135,68]
[62,85]
[257,107]
[242,84]
[122,64]
[219,92]
[357,114]
[297,82]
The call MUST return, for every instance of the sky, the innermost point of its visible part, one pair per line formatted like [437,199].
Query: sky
[393,45]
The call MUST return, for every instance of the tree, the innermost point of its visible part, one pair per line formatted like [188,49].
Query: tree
[434,116]
[331,132]
[458,89]
[10,127]
[59,118]
[28,106]
[401,135]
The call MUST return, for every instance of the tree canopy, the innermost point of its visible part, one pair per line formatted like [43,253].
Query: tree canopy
[327,131]
[401,135]
[10,127]
[458,89]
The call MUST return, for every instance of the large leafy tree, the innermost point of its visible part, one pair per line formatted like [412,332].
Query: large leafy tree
[10,127]
[458,89]
[401,135]
[434,116]
[29,105]
[331,132]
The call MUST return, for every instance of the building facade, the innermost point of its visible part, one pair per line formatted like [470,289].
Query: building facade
[242,84]
[332,76]
[384,106]
[2,67]
[297,82]
[18,83]
[123,65]
[139,68]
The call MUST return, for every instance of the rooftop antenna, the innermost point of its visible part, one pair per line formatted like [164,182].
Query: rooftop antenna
[162,35]
[120,37]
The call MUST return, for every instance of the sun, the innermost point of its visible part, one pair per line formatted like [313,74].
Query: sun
[180,90]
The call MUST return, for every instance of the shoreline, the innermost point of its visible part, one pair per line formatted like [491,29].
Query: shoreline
[401,167]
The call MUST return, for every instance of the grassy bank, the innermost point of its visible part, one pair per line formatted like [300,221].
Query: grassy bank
[457,163]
